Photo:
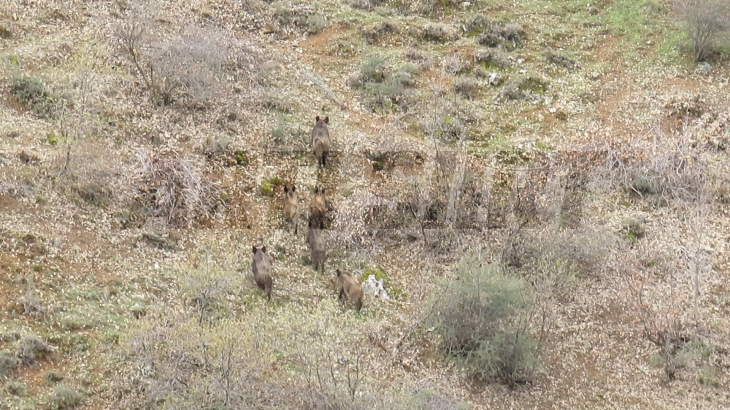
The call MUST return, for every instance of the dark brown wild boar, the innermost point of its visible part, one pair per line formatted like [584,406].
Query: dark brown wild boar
[318,207]
[291,206]
[321,140]
[348,285]
[316,244]
[262,270]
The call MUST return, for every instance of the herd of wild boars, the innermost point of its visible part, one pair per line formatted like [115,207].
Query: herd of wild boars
[347,283]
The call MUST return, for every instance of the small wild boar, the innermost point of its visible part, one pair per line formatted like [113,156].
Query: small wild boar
[262,270]
[316,244]
[321,140]
[291,206]
[317,208]
[348,285]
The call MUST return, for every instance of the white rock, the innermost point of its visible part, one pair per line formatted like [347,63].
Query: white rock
[375,287]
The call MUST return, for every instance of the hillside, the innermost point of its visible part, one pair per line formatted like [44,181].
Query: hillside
[550,177]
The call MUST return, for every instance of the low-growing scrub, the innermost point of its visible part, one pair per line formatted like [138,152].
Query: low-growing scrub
[33,93]
[8,363]
[31,349]
[522,87]
[384,86]
[477,318]
[65,398]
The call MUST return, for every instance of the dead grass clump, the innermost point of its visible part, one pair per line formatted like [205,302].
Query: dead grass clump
[180,189]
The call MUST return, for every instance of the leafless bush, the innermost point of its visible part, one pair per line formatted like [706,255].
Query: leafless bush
[334,371]
[707,23]
[186,66]
[181,190]
[677,172]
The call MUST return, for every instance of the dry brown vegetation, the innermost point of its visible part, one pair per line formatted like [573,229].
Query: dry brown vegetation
[542,189]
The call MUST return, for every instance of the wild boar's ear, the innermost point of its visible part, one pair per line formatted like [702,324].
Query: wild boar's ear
[316,119]
[327,119]
[254,249]
[263,249]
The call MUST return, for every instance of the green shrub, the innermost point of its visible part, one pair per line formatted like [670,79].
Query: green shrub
[33,93]
[8,363]
[316,23]
[15,388]
[65,398]
[32,348]
[53,377]
[477,319]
